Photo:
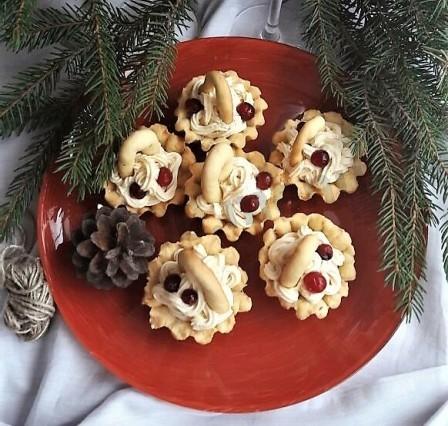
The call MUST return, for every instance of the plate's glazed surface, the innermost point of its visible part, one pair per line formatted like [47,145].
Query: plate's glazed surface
[270,359]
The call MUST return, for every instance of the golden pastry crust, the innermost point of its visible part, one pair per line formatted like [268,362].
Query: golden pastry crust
[347,182]
[238,139]
[338,238]
[211,224]
[160,315]
[171,143]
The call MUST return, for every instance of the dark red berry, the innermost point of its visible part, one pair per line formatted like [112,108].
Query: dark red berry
[136,192]
[189,296]
[325,251]
[320,158]
[314,282]
[249,203]
[246,111]
[193,106]
[165,176]
[200,155]
[172,283]
[264,180]
[300,125]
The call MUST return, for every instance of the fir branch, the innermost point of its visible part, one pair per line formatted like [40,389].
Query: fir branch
[397,96]
[102,85]
[149,61]
[27,180]
[50,26]
[76,156]
[15,17]
[31,89]
[444,241]
[322,34]
[385,166]
[104,163]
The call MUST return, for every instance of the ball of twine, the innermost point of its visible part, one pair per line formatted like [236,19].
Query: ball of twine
[29,304]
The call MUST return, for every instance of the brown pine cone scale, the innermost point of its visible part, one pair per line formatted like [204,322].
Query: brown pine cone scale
[112,248]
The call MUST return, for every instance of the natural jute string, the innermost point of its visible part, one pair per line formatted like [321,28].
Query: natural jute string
[29,304]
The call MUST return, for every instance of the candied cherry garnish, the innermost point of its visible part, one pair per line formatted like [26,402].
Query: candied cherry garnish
[314,282]
[165,176]
[189,296]
[193,106]
[325,251]
[249,203]
[246,111]
[136,191]
[172,283]
[320,158]
[264,180]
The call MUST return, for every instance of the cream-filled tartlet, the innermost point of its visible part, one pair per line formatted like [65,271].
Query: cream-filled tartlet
[233,191]
[314,152]
[220,107]
[307,262]
[195,288]
[152,167]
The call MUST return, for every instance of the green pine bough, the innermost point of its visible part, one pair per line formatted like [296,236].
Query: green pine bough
[82,99]
[385,62]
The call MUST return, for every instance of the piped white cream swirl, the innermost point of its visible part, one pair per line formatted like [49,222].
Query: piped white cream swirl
[240,182]
[207,121]
[199,315]
[146,172]
[330,140]
[282,249]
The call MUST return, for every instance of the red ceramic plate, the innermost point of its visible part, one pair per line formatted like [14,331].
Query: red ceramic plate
[270,359]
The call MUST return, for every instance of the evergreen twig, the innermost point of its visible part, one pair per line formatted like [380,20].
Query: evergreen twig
[95,44]
[392,59]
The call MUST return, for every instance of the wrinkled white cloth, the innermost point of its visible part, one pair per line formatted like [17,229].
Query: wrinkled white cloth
[56,382]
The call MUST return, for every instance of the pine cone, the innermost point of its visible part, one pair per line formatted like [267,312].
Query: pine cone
[112,248]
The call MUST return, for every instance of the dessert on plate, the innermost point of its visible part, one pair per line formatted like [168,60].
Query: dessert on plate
[233,191]
[307,262]
[220,107]
[314,152]
[195,288]
[152,167]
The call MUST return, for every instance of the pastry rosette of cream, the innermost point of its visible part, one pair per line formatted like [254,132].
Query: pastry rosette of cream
[314,152]
[307,262]
[152,167]
[195,288]
[233,191]
[220,107]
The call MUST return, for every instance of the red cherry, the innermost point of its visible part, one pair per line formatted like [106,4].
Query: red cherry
[165,176]
[314,282]
[193,106]
[136,191]
[172,283]
[246,111]
[320,158]
[189,296]
[264,180]
[325,251]
[249,203]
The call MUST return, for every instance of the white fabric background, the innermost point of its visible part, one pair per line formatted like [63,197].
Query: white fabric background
[55,381]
